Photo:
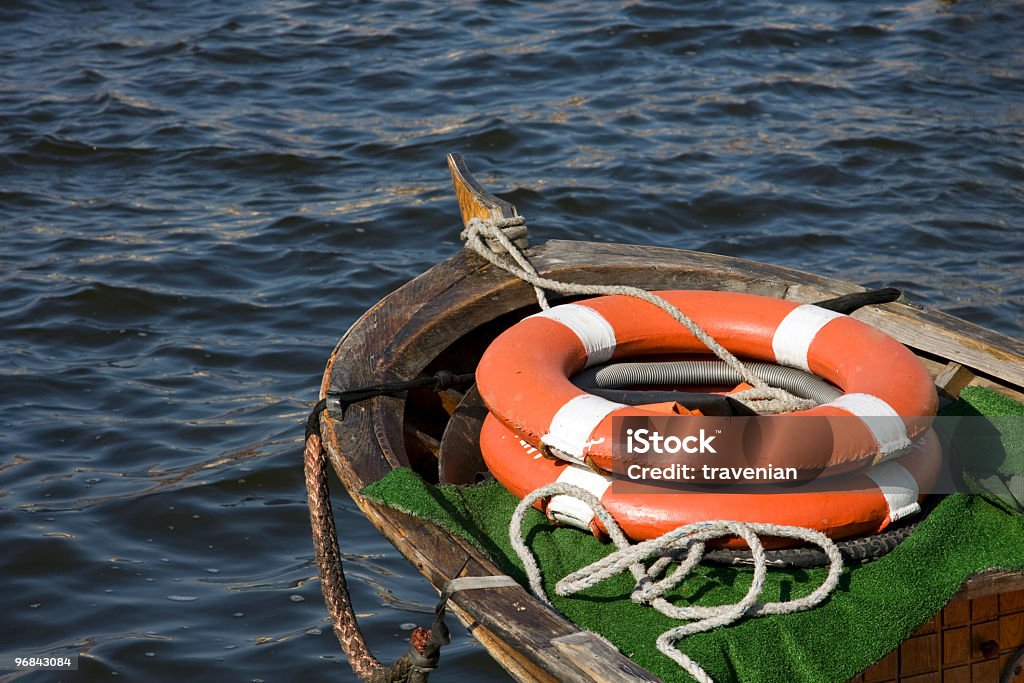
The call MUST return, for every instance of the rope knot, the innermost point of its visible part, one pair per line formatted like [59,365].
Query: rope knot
[421,658]
[500,242]
[645,592]
[498,233]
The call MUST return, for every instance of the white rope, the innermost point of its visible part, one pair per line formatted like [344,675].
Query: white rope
[651,586]
[762,398]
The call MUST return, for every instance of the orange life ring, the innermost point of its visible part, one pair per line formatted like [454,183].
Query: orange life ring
[841,507]
[889,397]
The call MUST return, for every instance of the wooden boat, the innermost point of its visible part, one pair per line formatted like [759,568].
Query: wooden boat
[444,318]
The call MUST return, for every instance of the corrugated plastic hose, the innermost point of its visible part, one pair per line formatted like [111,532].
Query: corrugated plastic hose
[706,372]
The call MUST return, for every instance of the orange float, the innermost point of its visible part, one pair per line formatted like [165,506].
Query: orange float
[841,507]
[888,399]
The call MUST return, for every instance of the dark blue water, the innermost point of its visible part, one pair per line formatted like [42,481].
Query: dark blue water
[197,198]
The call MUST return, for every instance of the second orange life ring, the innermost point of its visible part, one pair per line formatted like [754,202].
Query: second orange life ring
[841,507]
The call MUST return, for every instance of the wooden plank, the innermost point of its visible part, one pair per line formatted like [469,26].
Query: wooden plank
[461,460]
[1011,631]
[961,674]
[930,626]
[985,672]
[507,655]
[1012,601]
[936,367]
[953,378]
[930,677]
[984,608]
[423,440]
[919,655]
[956,646]
[983,635]
[581,648]
[982,350]
[956,613]
[886,669]
[989,584]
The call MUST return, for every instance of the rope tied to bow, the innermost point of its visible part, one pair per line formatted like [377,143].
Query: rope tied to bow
[490,240]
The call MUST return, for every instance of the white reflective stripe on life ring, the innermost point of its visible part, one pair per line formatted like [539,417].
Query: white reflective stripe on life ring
[573,511]
[595,333]
[575,421]
[898,486]
[886,425]
[796,332]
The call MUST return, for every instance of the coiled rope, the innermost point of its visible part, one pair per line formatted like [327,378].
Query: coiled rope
[651,585]
[762,397]
[491,240]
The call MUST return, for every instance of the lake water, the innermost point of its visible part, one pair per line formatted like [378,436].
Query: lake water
[198,198]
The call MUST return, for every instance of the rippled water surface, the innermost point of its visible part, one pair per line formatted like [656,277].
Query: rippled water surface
[197,198]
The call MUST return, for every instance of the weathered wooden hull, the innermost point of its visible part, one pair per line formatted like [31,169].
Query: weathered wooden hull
[449,312]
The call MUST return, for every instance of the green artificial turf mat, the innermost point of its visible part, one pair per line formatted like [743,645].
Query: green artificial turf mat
[876,606]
